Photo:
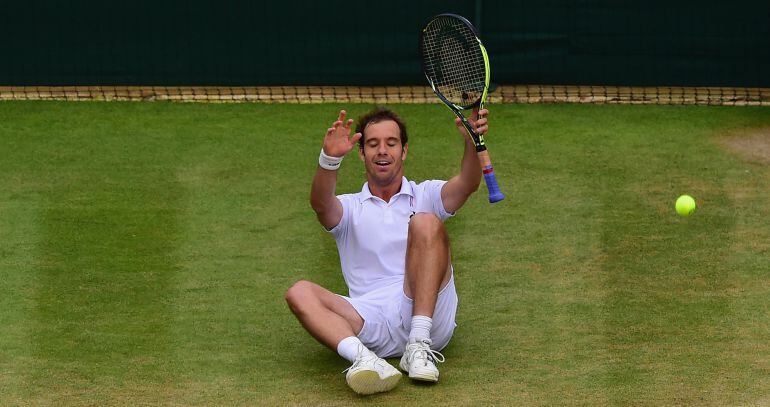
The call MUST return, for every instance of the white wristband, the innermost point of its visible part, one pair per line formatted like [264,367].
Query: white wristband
[329,163]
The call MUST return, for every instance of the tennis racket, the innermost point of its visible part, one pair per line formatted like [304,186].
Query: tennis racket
[457,67]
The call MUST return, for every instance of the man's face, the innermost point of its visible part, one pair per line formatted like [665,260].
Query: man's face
[383,154]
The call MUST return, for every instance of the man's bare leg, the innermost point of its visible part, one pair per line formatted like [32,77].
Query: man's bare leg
[427,271]
[335,323]
[323,314]
[427,262]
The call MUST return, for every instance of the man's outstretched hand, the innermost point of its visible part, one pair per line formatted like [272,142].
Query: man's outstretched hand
[337,141]
[479,125]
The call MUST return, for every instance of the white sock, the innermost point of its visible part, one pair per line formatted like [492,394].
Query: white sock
[350,347]
[420,328]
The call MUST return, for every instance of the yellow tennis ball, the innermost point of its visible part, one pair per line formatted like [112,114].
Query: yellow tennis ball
[685,205]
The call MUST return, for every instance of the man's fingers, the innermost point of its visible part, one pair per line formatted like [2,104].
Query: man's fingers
[355,138]
[341,116]
[483,113]
[460,126]
[348,124]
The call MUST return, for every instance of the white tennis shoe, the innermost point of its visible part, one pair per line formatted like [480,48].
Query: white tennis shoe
[371,374]
[419,361]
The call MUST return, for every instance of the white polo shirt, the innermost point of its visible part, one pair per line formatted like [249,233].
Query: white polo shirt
[371,236]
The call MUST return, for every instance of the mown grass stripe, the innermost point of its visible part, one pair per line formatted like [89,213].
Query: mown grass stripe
[158,239]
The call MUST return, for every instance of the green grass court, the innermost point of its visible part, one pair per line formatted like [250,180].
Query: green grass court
[145,249]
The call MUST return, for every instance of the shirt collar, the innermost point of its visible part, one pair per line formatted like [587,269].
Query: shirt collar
[406,189]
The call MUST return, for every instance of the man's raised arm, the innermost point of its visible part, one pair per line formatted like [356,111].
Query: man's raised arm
[337,143]
[457,190]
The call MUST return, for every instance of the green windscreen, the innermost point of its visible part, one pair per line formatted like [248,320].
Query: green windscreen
[248,43]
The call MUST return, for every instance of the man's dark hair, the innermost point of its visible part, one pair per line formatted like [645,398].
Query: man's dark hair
[375,116]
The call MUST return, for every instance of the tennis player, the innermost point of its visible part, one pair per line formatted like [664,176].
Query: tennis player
[394,253]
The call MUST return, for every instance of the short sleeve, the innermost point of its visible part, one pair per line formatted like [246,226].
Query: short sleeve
[341,229]
[432,196]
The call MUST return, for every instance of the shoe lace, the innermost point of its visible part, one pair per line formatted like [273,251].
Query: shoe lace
[423,351]
[364,356]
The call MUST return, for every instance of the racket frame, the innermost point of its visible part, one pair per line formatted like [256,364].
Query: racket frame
[495,195]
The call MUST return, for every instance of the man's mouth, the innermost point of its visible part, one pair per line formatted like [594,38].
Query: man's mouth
[382,163]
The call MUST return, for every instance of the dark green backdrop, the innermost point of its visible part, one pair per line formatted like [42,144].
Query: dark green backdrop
[242,42]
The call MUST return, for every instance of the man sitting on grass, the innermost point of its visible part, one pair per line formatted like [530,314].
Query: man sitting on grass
[394,253]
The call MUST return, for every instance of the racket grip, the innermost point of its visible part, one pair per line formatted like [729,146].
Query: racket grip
[494,190]
[495,195]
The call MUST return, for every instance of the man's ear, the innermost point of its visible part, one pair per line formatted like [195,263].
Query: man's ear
[403,152]
[361,154]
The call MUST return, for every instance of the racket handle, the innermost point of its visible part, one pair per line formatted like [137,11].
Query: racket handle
[495,195]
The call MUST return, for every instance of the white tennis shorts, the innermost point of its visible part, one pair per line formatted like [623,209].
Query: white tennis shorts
[387,323]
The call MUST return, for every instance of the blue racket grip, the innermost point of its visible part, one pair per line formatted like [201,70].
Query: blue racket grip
[495,195]
[494,190]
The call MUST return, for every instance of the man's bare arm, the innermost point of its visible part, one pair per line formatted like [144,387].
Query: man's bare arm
[460,187]
[337,143]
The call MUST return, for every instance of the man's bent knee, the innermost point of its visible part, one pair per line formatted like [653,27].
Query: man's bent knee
[299,294]
[426,224]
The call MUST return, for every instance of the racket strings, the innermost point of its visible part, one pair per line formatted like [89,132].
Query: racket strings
[453,61]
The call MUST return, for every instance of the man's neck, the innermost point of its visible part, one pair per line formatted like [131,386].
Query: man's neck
[385,192]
